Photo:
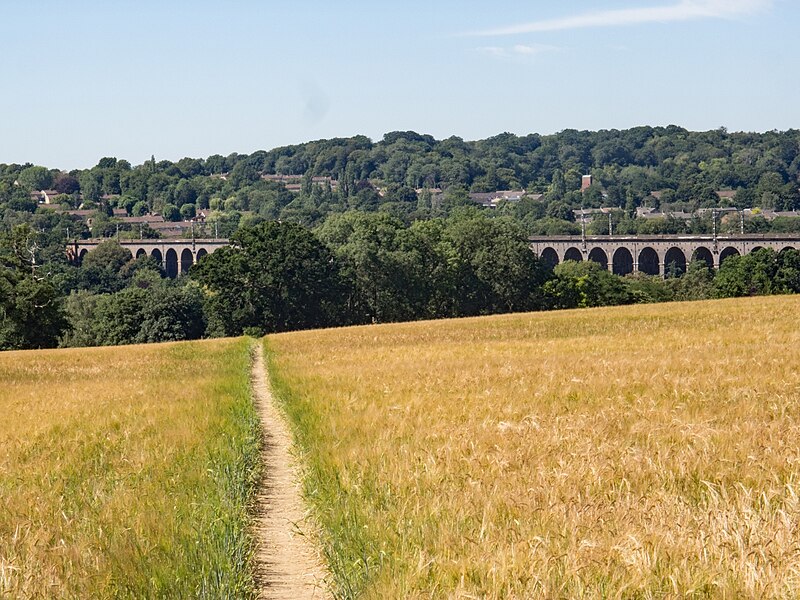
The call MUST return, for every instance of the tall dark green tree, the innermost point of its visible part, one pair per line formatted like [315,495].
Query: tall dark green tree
[101,268]
[787,278]
[749,275]
[35,178]
[31,310]
[274,277]
[585,284]
[368,248]
[496,271]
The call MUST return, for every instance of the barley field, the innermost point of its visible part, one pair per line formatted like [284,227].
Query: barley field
[126,472]
[630,452]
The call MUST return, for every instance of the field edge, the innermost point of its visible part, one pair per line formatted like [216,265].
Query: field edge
[351,558]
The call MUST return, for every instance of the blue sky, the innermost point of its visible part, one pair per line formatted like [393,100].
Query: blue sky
[87,79]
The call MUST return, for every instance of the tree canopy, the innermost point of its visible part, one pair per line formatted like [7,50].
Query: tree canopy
[351,230]
[31,309]
[274,277]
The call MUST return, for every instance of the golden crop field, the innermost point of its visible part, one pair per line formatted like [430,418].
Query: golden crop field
[631,452]
[126,472]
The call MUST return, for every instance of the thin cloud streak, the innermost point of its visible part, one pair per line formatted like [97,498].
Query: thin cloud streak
[519,51]
[685,10]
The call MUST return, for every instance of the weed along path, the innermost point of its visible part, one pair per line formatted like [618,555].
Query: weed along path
[287,564]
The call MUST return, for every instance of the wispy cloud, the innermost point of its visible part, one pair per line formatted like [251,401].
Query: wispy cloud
[518,51]
[684,10]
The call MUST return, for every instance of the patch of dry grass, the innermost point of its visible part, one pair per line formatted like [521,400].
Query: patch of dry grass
[648,451]
[125,472]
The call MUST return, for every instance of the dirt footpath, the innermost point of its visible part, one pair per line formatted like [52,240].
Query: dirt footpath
[288,566]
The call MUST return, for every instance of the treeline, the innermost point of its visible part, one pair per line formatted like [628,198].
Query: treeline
[393,222]
[402,173]
[357,268]
[371,268]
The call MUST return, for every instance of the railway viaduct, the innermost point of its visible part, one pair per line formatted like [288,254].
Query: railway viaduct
[174,256]
[655,254]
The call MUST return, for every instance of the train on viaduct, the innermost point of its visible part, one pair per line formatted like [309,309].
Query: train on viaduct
[651,254]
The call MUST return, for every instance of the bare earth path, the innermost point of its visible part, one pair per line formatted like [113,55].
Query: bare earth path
[287,564]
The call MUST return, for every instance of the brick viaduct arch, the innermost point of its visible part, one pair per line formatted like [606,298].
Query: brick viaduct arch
[175,257]
[655,255]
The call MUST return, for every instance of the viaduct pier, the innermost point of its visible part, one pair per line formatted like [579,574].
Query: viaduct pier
[655,254]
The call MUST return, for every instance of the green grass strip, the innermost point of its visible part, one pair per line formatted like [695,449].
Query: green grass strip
[353,556]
